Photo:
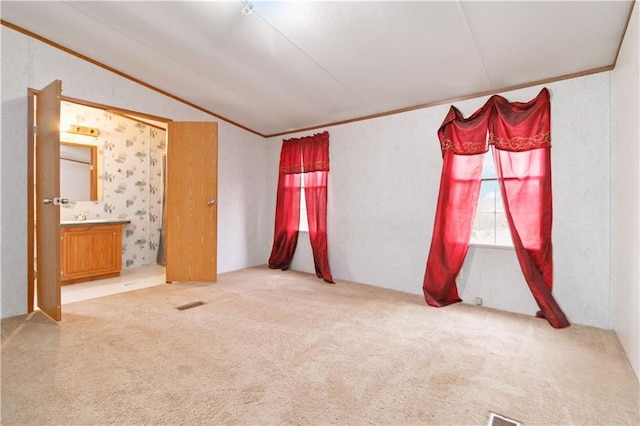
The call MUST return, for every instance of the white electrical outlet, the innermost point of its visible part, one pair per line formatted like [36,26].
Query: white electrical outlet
[478,301]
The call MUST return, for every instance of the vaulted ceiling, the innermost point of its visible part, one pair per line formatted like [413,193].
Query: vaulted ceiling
[295,65]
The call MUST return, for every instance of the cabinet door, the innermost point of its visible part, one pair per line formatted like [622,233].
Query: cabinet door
[91,251]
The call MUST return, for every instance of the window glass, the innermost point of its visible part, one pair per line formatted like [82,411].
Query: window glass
[490,223]
[303,225]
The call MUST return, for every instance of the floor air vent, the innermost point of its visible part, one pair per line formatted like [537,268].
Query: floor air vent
[498,420]
[189,305]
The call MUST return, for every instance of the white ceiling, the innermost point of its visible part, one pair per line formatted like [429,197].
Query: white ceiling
[296,65]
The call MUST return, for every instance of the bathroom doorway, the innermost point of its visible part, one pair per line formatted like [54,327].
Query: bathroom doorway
[134,276]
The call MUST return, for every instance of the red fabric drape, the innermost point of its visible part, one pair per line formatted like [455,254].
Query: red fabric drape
[285,236]
[315,152]
[463,142]
[520,132]
[308,156]
[315,192]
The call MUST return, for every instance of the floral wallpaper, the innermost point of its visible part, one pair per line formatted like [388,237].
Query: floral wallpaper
[130,172]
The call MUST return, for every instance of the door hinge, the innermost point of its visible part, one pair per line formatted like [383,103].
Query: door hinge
[35,130]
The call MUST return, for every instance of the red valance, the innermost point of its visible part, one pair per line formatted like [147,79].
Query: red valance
[465,136]
[522,126]
[306,154]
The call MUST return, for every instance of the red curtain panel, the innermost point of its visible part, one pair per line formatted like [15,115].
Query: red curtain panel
[520,134]
[463,143]
[302,158]
[315,191]
[285,236]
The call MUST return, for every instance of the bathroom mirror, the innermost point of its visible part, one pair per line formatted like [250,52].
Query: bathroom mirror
[79,172]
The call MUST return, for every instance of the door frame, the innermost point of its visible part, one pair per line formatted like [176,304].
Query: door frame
[31,189]
[31,232]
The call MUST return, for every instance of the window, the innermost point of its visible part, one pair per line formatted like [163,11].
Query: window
[490,225]
[303,225]
[302,161]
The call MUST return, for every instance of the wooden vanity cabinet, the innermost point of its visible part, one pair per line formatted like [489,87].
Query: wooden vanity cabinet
[90,252]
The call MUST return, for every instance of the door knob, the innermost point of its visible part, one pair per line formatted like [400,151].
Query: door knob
[56,201]
[211,202]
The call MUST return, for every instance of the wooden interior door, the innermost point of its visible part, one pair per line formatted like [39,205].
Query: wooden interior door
[192,212]
[47,181]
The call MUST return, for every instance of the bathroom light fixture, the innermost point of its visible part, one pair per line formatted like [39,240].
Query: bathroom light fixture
[79,130]
[247,9]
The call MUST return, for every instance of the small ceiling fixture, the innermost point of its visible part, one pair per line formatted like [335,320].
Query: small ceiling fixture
[247,9]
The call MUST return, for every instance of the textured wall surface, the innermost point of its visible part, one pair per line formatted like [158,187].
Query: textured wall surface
[626,193]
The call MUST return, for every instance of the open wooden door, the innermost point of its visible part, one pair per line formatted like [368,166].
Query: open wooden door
[192,212]
[47,199]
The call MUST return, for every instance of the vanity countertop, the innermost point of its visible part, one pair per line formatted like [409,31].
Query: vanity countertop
[90,222]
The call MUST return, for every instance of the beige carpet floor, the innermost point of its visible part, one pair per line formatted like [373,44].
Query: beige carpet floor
[273,347]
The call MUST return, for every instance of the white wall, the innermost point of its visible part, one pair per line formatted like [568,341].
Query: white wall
[242,236]
[626,193]
[383,188]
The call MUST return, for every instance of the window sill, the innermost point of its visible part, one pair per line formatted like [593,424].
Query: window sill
[491,246]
